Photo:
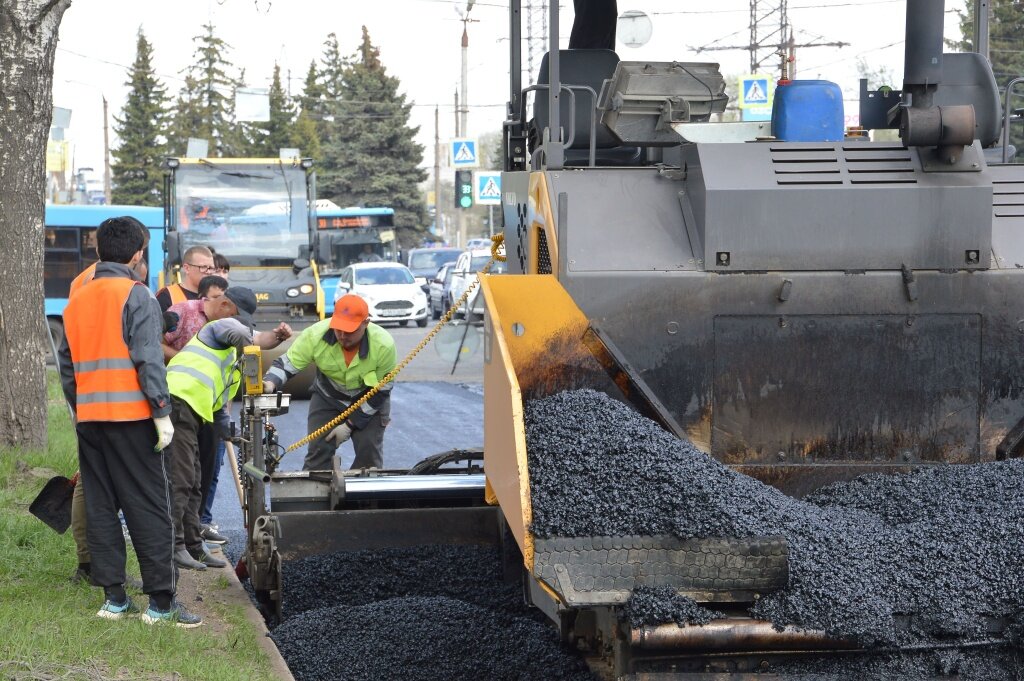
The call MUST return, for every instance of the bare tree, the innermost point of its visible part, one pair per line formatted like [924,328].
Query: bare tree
[28,39]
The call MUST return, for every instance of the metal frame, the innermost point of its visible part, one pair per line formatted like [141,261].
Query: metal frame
[554,149]
[1006,117]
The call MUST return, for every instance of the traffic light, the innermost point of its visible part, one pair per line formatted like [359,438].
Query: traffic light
[463,188]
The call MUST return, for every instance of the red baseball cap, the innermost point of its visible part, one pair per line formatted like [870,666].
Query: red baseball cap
[349,312]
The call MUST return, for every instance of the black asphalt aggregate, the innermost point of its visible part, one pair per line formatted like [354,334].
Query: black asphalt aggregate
[425,612]
[885,561]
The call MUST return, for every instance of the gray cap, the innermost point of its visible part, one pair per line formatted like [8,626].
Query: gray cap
[245,300]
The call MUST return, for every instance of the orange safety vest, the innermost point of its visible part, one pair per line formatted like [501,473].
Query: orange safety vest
[82,279]
[107,383]
[177,293]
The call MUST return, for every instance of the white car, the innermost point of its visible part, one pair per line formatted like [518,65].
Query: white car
[389,289]
[465,273]
[473,244]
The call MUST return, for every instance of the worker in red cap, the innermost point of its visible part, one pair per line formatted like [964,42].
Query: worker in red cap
[351,354]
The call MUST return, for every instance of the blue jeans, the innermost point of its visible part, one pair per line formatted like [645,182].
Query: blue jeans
[206,512]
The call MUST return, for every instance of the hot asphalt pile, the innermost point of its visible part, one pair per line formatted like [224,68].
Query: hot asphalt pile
[659,604]
[885,561]
[468,573]
[427,612]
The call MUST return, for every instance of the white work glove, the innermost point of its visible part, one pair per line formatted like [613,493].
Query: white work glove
[340,435]
[164,432]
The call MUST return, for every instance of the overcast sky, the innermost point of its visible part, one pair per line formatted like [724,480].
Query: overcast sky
[420,44]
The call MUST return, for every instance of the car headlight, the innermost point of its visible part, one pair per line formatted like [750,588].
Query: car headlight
[306,289]
[292,293]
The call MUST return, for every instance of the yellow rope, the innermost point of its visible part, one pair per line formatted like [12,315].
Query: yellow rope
[496,242]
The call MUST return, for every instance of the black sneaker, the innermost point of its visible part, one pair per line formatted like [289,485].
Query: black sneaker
[176,615]
[210,534]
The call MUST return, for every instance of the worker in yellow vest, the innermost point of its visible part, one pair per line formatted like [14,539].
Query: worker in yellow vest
[113,377]
[196,263]
[202,378]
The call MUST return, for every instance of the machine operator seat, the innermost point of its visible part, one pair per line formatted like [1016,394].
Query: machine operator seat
[967,79]
[581,67]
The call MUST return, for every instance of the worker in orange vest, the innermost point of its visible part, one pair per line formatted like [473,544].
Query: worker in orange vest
[196,263]
[113,376]
[78,523]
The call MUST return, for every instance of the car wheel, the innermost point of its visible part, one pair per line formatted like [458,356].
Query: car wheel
[421,322]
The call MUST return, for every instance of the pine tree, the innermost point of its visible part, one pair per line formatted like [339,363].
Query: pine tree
[328,88]
[305,132]
[376,161]
[141,129]
[279,131]
[206,107]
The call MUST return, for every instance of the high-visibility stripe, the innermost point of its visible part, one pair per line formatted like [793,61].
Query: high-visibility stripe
[202,352]
[106,381]
[97,397]
[194,373]
[108,363]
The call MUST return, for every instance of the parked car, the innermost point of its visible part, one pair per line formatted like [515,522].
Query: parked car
[474,244]
[465,273]
[438,300]
[389,289]
[424,263]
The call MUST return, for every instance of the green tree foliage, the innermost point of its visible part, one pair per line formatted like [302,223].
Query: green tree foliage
[206,106]
[306,133]
[141,128]
[279,132]
[373,158]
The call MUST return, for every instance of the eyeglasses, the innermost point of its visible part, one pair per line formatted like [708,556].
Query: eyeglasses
[204,269]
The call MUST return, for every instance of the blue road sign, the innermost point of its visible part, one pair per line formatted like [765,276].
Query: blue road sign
[488,188]
[463,153]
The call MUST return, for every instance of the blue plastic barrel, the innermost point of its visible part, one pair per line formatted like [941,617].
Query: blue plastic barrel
[808,111]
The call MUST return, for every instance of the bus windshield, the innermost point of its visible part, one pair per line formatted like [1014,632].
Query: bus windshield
[244,211]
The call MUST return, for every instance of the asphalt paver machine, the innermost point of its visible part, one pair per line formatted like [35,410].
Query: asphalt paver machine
[803,311]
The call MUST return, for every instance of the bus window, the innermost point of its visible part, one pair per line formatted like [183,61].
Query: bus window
[61,261]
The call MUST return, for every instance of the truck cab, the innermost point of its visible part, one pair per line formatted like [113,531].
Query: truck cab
[258,213]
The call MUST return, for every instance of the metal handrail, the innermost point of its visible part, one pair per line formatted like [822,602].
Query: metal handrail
[572,114]
[1006,117]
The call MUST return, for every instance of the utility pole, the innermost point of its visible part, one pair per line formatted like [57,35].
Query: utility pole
[770,34]
[438,222]
[106,154]
[458,132]
[462,112]
[465,76]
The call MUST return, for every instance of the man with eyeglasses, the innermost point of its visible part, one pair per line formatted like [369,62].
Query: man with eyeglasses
[196,264]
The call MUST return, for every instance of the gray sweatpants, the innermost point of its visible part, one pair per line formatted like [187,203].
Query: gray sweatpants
[368,441]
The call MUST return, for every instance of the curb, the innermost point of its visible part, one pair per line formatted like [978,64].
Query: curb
[278,667]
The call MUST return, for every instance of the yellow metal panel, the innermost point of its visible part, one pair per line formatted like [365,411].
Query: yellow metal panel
[533,347]
[541,220]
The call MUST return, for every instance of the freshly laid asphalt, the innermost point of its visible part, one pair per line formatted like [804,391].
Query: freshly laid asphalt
[432,410]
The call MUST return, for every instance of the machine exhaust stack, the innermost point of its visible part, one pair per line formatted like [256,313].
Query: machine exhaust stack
[946,128]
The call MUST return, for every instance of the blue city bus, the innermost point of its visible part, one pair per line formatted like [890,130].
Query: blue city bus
[343,234]
[70,247]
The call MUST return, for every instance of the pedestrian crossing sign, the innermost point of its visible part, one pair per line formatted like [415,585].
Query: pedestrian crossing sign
[488,188]
[755,90]
[463,153]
